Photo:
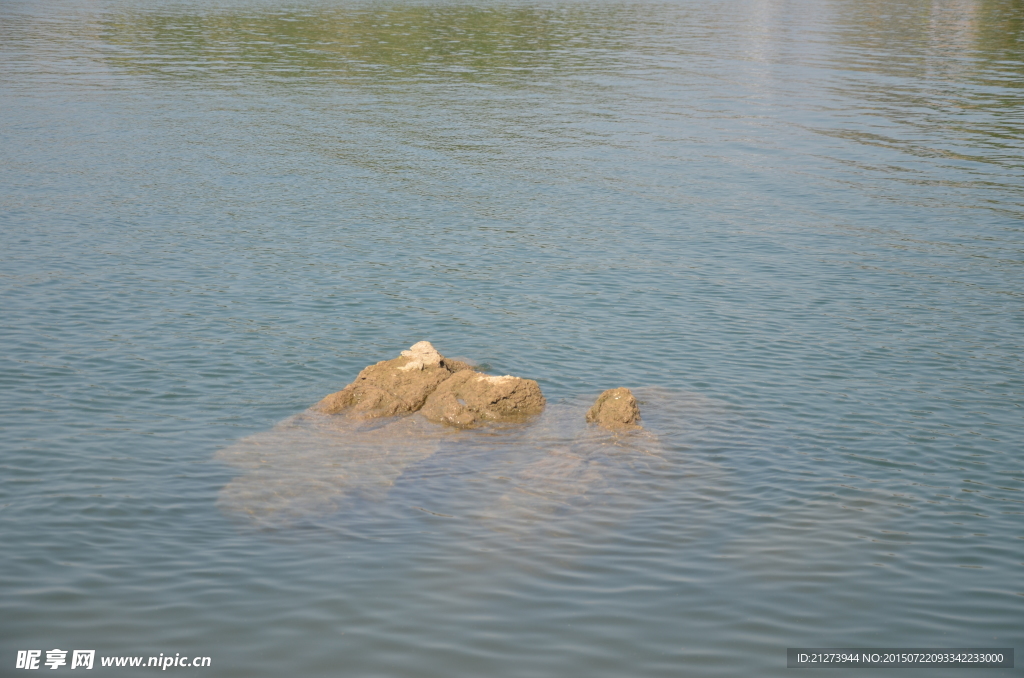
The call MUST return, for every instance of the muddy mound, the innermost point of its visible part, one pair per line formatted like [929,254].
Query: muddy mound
[394,387]
[470,398]
[615,409]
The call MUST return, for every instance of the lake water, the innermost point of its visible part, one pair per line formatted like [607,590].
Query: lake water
[794,228]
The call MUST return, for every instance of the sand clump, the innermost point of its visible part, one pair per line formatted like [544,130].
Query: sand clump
[394,387]
[446,391]
[615,409]
[470,398]
[451,392]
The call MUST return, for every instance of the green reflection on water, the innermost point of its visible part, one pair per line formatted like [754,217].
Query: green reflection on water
[472,43]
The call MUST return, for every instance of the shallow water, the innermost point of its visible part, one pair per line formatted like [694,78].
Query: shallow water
[312,467]
[795,228]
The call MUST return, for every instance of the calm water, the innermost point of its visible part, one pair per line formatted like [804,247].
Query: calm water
[796,228]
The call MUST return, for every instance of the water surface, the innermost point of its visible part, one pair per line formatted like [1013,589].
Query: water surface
[796,228]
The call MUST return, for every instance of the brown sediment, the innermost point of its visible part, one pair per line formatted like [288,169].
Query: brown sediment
[309,464]
[394,387]
[456,365]
[530,477]
[615,409]
[470,398]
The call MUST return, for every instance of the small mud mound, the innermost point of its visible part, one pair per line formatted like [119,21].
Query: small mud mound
[393,387]
[470,398]
[615,409]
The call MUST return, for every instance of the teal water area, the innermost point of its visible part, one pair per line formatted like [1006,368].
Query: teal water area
[795,228]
